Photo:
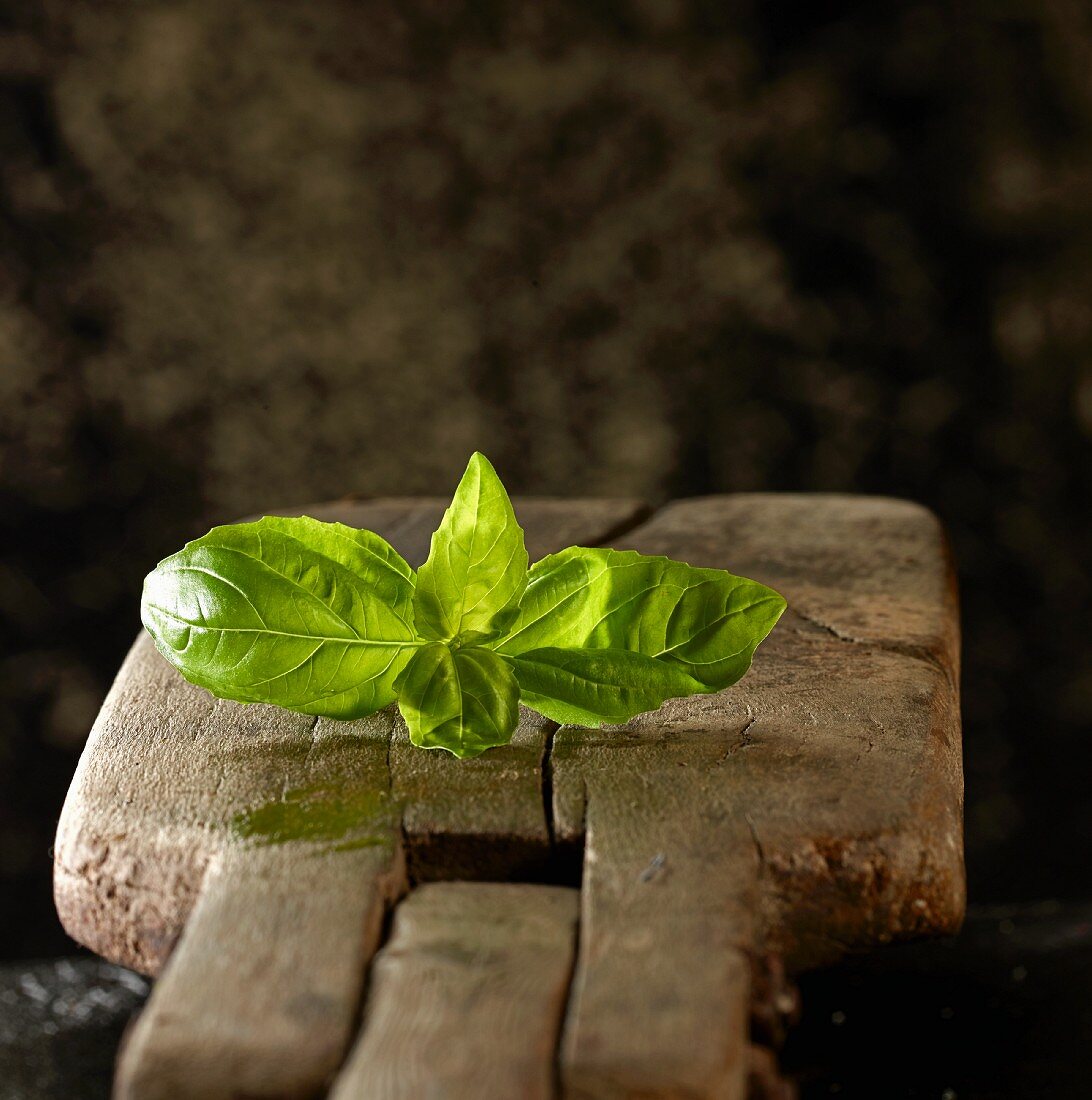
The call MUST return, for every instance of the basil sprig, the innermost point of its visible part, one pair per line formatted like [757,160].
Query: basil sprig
[328,620]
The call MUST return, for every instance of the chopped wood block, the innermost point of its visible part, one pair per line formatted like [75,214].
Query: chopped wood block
[466,998]
[812,809]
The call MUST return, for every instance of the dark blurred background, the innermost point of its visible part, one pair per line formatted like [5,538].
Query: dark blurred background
[255,253]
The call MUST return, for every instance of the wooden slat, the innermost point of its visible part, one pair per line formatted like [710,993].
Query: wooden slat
[833,769]
[850,761]
[199,807]
[660,1001]
[466,999]
[261,994]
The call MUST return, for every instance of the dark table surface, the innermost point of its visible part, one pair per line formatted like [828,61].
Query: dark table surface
[1003,1010]
[60,1023]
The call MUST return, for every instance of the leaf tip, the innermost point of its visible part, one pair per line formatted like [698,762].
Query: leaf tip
[480,464]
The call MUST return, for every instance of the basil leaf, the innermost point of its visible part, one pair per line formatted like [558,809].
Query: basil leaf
[315,617]
[468,589]
[465,700]
[705,621]
[591,686]
[369,556]
[329,620]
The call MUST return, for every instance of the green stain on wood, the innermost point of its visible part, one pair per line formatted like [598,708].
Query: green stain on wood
[356,817]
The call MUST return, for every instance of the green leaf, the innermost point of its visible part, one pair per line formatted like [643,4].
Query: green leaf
[477,567]
[707,622]
[329,620]
[316,617]
[591,686]
[465,700]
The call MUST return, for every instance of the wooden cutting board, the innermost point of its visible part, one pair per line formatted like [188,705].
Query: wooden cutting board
[612,884]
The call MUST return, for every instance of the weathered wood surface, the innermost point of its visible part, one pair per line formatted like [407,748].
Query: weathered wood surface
[661,997]
[185,803]
[272,1009]
[475,819]
[812,809]
[848,756]
[171,775]
[466,999]
[834,765]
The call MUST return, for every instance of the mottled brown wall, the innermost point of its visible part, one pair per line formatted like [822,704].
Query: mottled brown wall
[258,251]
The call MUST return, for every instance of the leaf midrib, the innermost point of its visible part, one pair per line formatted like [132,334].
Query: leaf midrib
[415,643]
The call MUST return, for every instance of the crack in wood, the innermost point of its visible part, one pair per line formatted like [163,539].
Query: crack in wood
[547,768]
[743,735]
[759,851]
[565,1000]
[912,650]
[312,734]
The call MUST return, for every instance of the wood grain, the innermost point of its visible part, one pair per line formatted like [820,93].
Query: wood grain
[466,998]
[171,777]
